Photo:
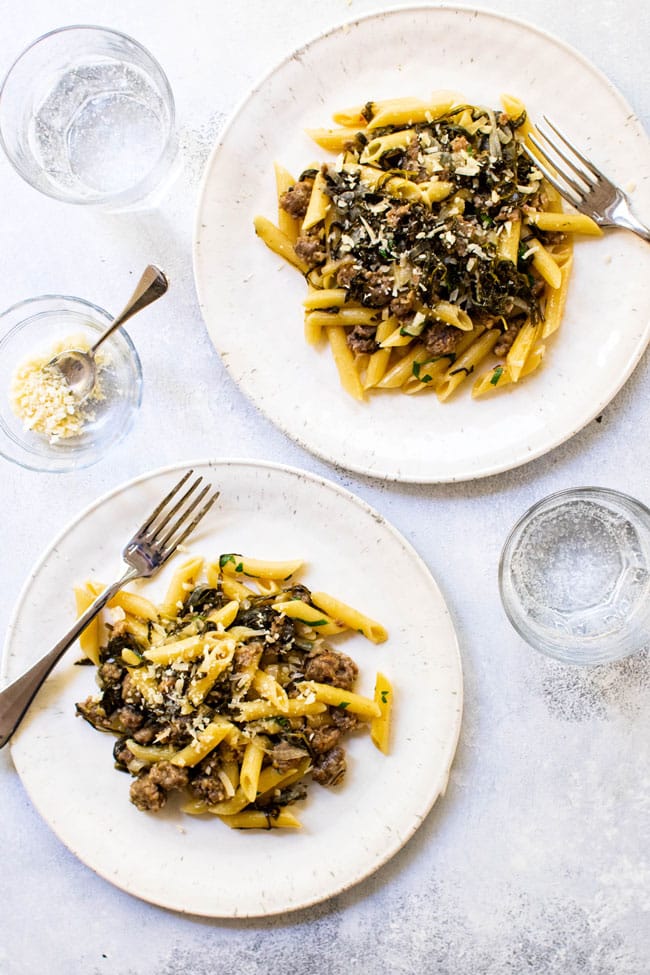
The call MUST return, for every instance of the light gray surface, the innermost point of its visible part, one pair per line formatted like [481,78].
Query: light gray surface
[537,858]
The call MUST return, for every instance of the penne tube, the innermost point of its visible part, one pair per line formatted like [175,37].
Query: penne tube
[268,688]
[137,628]
[521,349]
[295,708]
[377,366]
[181,582]
[465,364]
[319,204]
[216,662]
[403,368]
[377,147]
[182,650]
[344,359]
[347,616]
[325,298]
[151,753]
[297,609]
[134,605]
[287,224]
[225,615]
[565,223]
[278,242]
[89,637]
[334,140]
[344,316]
[380,726]
[234,589]
[231,564]
[256,819]
[411,111]
[500,376]
[205,742]
[397,339]
[508,242]
[268,587]
[544,263]
[251,767]
[452,315]
[338,697]
[556,301]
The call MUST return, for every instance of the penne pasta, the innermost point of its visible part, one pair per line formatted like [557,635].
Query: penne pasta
[347,616]
[340,698]
[380,726]
[404,202]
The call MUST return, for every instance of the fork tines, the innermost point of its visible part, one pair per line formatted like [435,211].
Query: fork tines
[583,168]
[167,531]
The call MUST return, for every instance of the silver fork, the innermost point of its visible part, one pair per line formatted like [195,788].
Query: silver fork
[151,546]
[591,192]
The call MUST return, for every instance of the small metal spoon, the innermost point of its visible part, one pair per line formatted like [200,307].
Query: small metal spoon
[78,368]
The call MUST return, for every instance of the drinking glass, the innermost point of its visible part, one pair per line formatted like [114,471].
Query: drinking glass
[575,575]
[87,116]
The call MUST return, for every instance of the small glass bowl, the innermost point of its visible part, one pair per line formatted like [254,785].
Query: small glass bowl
[32,329]
[574,576]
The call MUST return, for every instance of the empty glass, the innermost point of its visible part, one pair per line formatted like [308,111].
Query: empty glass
[87,116]
[575,576]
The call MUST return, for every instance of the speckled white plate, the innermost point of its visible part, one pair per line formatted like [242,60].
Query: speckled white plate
[252,301]
[200,866]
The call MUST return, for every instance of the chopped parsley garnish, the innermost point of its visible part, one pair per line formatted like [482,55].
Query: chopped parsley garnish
[498,372]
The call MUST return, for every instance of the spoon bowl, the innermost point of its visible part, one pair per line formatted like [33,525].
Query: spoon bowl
[78,368]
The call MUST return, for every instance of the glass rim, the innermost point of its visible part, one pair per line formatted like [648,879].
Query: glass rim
[125,195]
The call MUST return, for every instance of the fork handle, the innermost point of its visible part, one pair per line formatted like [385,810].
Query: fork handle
[636,227]
[17,696]
[623,217]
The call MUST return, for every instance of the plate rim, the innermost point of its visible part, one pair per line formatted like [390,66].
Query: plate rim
[437,789]
[487,470]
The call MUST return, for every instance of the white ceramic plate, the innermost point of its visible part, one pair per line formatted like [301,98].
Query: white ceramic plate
[199,866]
[251,300]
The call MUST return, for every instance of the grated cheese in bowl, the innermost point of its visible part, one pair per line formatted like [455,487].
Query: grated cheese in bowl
[42,399]
[42,426]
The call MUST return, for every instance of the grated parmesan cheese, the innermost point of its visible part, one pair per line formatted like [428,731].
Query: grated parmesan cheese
[42,399]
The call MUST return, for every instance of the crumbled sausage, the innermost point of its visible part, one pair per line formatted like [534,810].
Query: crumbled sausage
[168,776]
[110,673]
[441,339]
[329,768]
[377,288]
[346,274]
[145,735]
[310,250]
[126,720]
[344,720]
[322,739]
[332,667]
[362,339]
[147,795]
[296,199]
[403,304]
[206,784]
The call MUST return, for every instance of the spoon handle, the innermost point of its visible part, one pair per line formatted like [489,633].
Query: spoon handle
[151,286]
